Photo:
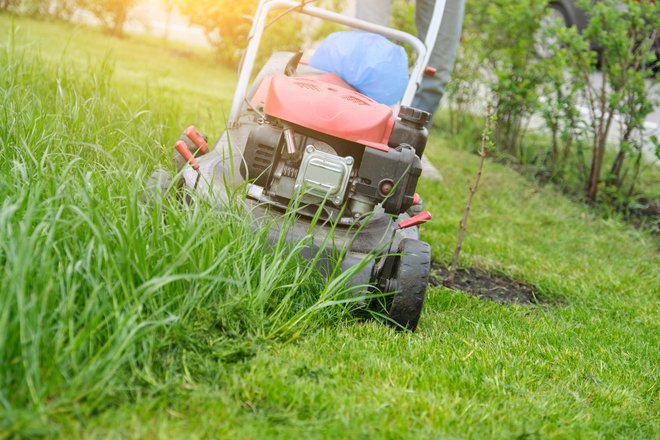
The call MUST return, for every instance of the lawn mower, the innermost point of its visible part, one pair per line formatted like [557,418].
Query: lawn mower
[353,164]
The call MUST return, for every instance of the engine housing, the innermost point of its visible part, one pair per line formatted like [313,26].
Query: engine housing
[336,148]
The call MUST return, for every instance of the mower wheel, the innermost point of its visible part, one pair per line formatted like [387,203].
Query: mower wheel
[410,278]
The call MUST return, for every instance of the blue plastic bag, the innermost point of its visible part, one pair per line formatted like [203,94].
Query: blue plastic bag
[370,63]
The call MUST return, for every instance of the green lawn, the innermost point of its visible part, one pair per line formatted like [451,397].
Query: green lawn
[114,322]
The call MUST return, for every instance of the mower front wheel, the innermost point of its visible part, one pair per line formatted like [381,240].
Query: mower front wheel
[409,278]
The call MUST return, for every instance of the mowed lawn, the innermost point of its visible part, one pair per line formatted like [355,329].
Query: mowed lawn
[84,120]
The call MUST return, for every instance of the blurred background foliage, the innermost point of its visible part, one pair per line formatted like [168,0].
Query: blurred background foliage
[227,24]
[571,103]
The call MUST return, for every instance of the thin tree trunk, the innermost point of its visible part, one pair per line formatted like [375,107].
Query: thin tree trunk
[483,153]
[596,164]
[638,165]
[120,20]
[564,153]
[617,165]
[599,153]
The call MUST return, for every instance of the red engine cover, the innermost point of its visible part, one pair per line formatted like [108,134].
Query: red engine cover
[324,106]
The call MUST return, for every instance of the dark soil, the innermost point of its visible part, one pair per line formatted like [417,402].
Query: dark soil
[484,285]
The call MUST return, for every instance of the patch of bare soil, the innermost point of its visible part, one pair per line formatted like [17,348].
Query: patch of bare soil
[484,285]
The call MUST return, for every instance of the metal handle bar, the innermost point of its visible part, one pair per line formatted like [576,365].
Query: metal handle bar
[259,24]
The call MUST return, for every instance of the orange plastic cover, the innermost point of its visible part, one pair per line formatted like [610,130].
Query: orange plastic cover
[324,106]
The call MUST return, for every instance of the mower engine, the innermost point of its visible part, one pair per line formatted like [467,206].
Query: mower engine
[303,134]
[318,138]
[306,135]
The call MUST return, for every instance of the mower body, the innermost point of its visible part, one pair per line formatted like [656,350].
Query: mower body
[350,165]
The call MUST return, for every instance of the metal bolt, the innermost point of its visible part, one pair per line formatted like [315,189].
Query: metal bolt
[386,187]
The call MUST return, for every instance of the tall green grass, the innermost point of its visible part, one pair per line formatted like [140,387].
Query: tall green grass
[104,297]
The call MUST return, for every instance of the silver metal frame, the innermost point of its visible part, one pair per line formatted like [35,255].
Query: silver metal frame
[422,50]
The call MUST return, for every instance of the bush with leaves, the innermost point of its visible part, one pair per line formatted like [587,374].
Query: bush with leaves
[625,39]
[9,5]
[555,72]
[559,104]
[60,9]
[112,13]
[36,8]
[463,89]
[507,47]
[227,24]
[63,9]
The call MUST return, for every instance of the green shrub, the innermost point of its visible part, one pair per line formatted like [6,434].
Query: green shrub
[227,24]
[508,50]
[59,9]
[10,5]
[625,38]
[111,13]
[560,90]
[529,69]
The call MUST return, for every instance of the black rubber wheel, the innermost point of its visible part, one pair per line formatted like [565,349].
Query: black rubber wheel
[409,281]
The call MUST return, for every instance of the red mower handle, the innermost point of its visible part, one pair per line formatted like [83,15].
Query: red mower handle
[183,150]
[420,218]
[197,139]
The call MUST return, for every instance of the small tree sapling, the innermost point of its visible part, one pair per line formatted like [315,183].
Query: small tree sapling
[486,146]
